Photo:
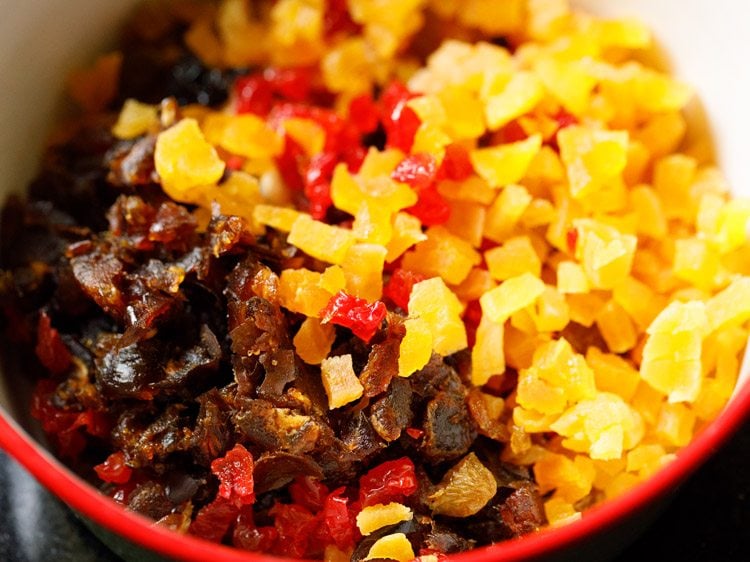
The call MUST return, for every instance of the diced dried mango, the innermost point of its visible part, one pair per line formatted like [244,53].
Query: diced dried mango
[487,357]
[616,328]
[135,119]
[435,303]
[673,176]
[407,231]
[510,296]
[729,307]
[280,218]
[515,257]
[467,221]
[605,254]
[391,547]
[415,348]
[340,381]
[603,426]
[652,221]
[442,254]
[505,212]
[560,512]
[612,373]
[520,95]
[300,291]
[571,279]
[185,161]
[363,269]
[245,135]
[320,240]
[550,312]
[507,163]
[572,479]
[313,341]
[640,301]
[675,424]
[671,356]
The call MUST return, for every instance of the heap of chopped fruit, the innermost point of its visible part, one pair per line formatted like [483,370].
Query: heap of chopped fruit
[519,206]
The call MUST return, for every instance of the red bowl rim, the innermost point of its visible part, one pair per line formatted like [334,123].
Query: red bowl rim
[87,500]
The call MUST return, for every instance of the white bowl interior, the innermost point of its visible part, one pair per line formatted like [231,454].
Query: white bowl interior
[705,42]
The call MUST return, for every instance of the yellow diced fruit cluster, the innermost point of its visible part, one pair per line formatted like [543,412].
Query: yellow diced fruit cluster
[377,516]
[442,254]
[313,341]
[435,304]
[415,348]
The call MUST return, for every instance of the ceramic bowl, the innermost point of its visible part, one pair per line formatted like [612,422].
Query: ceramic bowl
[704,42]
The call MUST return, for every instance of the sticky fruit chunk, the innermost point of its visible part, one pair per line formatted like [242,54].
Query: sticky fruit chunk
[340,381]
[464,490]
[185,160]
[391,547]
[377,516]
[438,306]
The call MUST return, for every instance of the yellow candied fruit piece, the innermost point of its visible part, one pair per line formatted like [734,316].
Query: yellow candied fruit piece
[621,484]
[467,221]
[332,553]
[374,517]
[511,296]
[652,221]
[568,81]
[432,139]
[672,354]
[604,252]
[560,512]
[464,490]
[280,218]
[663,133]
[296,31]
[477,283]
[415,348]
[673,176]
[713,397]
[300,291]
[363,269]
[238,195]
[505,212]
[659,93]
[534,393]
[464,113]
[571,279]
[313,341]
[135,119]
[245,135]
[572,479]
[348,192]
[520,95]
[487,357]
[603,427]
[473,189]
[696,262]
[507,163]
[185,161]
[380,163]
[561,368]
[616,328]
[320,240]
[729,307]
[407,231]
[626,33]
[442,254]
[675,424]
[732,225]
[593,158]
[340,381]
[372,223]
[550,312]
[392,547]
[532,421]
[432,301]
[307,133]
[612,373]
[585,308]
[540,212]
[235,26]
[515,257]
[348,67]
[638,299]
[646,458]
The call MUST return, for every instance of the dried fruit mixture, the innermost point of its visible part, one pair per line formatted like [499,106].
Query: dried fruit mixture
[359,279]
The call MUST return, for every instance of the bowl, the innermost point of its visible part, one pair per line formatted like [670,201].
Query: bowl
[41,41]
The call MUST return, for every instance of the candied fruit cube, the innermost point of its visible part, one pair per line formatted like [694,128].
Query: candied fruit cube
[363,270]
[520,95]
[616,328]
[300,291]
[374,517]
[320,240]
[612,373]
[245,135]
[572,479]
[593,158]
[696,262]
[534,393]
[407,231]
[136,119]
[652,221]
[280,218]
[511,296]
[442,254]
[604,426]
[675,424]
[673,176]
[560,512]
[505,212]
[415,348]
[515,257]
[438,306]
[185,161]
[391,547]
[313,341]
[340,381]
[568,81]
[487,357]
[639,301]
[729,307]
[550,312]
[604,252]
[507,163]
[571,279]
[467,221]
[672,355]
